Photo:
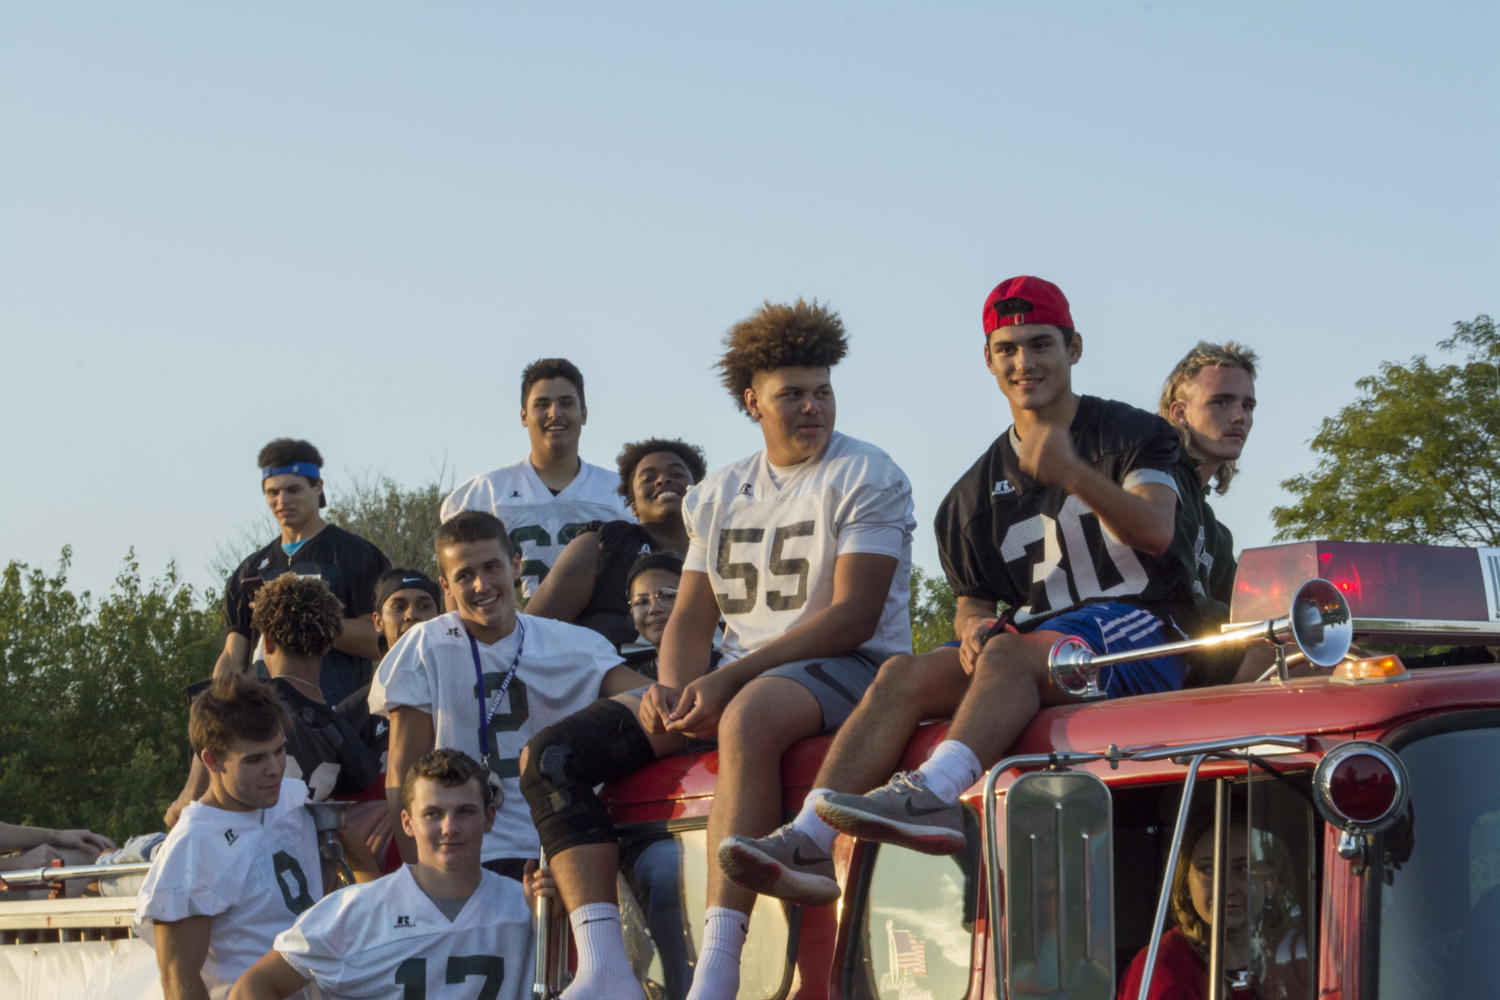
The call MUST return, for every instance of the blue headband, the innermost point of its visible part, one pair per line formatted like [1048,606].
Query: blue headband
[295,469]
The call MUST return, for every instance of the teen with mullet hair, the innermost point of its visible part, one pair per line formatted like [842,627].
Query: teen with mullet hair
[804,550]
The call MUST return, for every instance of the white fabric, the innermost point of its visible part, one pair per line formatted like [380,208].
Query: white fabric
[431,668]
[540,524]
[855,499]
[251,872]
[353,943]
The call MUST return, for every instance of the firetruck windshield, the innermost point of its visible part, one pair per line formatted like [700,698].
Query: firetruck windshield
[1434,884]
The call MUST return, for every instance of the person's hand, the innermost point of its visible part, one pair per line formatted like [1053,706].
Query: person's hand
[1046,454]
[702,702]
[39,856]
[174,811]
[537,881]
[83,840]
[657,705]
[973,642]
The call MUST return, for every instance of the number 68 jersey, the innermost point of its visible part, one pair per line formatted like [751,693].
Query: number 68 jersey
[768,537]
[1040,550]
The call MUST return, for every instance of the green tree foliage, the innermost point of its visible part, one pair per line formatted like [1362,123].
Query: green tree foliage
[401,521]
[932,605]
[1416,458]
[92,716]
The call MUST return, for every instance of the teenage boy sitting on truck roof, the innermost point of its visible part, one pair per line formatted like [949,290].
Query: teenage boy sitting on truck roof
[242,861]
[441,924]
[1067,520]
[1210,398]
[804,548]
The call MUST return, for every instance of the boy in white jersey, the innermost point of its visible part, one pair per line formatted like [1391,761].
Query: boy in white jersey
[532,671]
[804,549]
[547,496]
[242,861]
[443,927]
[1068,520]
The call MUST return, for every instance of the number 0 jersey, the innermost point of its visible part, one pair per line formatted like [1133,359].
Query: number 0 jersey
[540,524]
[1040,550]
[252,872]
[768,538]
[388,939]
[431,669]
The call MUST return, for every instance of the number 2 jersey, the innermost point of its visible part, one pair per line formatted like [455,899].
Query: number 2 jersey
[1040,550]
[431,668]
[251,872]
[540,523]
[768,538]
[387,939]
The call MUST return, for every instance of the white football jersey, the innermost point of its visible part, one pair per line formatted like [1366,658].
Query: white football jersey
[768,540]
[252,872]
[431,668]
[386,939]
[540,525]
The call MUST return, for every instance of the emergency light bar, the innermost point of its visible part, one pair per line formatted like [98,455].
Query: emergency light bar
[1396,593]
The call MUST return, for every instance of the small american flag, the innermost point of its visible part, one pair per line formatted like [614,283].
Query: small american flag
[908,953]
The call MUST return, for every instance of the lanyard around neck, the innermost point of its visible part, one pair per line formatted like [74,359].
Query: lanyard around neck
[486,713]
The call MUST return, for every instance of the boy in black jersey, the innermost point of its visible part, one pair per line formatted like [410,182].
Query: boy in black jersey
[1209,397]
[1067,521]
[291,479]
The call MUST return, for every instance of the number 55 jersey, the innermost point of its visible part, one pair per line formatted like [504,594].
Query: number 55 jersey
[387,938]
[1040,550]
[767,538]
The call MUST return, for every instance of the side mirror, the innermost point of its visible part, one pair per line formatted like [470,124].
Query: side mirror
[1059,887]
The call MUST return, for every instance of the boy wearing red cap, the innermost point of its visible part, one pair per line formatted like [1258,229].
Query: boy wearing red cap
[1067,522]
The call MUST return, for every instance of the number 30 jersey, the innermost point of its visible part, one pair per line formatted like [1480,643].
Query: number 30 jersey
[1040,550]
[387,939]
[767,538]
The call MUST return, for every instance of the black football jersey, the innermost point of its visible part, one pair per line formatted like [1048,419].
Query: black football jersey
[1039,550]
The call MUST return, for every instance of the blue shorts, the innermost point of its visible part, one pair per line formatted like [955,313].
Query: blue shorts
[1114,627]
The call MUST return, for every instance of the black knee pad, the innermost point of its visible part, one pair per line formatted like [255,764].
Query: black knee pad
[567,759]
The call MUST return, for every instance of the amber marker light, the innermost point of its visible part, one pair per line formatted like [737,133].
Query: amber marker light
[1374,668]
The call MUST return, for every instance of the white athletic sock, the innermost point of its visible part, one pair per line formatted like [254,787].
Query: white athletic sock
[603,967]
[810,823]
[950,770]
[717,974]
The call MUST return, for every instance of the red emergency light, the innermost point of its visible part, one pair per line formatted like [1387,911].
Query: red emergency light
[1454,592]
[1360,787]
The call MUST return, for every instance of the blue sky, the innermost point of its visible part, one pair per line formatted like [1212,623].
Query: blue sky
[355,223]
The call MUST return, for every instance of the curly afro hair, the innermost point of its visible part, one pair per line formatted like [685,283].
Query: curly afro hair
[780,336]
[299,614]
[630,456]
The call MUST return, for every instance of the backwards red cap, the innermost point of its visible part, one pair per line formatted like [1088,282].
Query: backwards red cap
[1026,299]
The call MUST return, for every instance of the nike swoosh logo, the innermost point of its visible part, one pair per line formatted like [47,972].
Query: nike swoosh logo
[797,858]
[595,920]
[914,811]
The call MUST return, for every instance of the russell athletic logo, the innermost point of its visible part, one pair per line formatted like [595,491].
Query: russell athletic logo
[1002,488]
[403,921]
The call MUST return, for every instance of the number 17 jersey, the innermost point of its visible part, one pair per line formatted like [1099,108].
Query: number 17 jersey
[767,538]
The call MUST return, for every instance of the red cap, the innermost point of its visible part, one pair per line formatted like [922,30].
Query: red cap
[1026,299]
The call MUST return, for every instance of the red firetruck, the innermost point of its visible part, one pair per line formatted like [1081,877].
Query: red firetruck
[1356,808]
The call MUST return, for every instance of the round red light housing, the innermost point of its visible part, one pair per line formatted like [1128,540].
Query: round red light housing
[1361,787]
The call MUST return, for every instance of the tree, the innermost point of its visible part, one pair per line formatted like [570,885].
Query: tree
[92,714]
[932,605]
[401,522]
[1416,458]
